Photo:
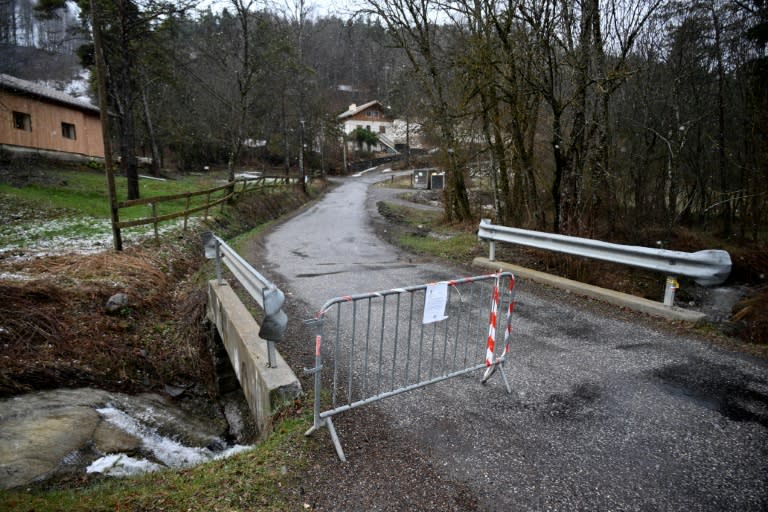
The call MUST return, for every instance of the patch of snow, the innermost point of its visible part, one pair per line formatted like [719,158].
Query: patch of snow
[363,172]
[26,240]
[13,276]
[248,175]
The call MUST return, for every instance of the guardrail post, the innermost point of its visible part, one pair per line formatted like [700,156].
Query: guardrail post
[669,291]
[491,243]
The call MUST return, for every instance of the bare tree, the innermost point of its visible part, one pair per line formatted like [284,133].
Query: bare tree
[413,26]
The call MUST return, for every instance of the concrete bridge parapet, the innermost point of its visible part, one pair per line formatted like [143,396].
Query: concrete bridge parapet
[266,388]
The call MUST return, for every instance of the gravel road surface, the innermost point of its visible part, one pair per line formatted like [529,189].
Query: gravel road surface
[609,410]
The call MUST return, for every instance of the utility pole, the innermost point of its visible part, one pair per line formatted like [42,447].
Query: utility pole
[301,157]
[101,76]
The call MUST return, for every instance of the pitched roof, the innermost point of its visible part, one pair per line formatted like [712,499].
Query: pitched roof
[45,93]
[358,109]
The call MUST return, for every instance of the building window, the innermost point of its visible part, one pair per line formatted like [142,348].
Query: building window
[382,129]
[372,113]
[22,121]
[68,131]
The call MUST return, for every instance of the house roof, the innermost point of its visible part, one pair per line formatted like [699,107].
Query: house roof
[355,109]
[45,93]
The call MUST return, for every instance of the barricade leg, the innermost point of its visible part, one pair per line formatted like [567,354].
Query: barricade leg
[493,363]
[504,376]
[335,438]
[318,422]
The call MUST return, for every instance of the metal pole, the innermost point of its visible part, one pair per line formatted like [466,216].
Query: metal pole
[318,366]
[669,291]
[271,354]
[218,263]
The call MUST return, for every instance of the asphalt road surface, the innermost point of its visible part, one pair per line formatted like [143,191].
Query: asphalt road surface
[609,411]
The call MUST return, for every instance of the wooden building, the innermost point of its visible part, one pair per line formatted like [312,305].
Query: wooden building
[46,122]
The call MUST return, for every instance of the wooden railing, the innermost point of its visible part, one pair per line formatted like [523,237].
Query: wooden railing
[212,199]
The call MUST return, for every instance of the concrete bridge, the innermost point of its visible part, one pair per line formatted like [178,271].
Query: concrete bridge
[267,381]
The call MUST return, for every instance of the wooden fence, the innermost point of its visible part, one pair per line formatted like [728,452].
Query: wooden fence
[213,197]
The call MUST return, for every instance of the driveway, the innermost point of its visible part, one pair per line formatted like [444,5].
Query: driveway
[609,410]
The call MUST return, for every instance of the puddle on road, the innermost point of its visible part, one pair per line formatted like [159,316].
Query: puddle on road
[733,394]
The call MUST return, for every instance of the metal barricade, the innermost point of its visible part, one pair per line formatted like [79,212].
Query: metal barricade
[380,344]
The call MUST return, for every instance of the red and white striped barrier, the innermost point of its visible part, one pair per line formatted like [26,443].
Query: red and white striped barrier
[491,361]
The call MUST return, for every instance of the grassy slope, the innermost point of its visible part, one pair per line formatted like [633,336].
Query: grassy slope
[72,202]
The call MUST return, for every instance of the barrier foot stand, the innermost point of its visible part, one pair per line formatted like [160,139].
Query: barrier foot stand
[313,429]
[492,369]
[336,443]
[488,372]
[326,422]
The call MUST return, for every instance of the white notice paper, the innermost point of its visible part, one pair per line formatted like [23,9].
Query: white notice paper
[435,301]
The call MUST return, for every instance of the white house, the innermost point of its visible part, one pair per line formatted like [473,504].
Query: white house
[373,117]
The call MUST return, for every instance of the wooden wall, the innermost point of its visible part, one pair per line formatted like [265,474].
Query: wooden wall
[46,126]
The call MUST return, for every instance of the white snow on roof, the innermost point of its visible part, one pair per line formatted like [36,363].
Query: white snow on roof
[25,86]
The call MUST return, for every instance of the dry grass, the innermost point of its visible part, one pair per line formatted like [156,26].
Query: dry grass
[55,330]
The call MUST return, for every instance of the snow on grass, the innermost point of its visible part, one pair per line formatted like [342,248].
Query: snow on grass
[69,234]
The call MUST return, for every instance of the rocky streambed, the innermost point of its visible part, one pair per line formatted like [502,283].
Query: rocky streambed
[73,433]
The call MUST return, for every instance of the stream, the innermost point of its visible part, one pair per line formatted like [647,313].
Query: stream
[70,433]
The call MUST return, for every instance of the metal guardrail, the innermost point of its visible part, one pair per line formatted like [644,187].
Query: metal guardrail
[707,268]
[269,297]
[385,343]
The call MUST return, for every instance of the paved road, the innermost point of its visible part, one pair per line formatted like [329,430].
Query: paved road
[608,411]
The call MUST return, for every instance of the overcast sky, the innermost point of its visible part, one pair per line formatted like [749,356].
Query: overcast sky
[340,8]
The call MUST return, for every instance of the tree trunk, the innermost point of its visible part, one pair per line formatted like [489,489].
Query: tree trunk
[556,190]
[155,168]
[726,211]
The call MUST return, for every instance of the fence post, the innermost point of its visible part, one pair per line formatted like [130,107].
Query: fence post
[154,217]
[186,215]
